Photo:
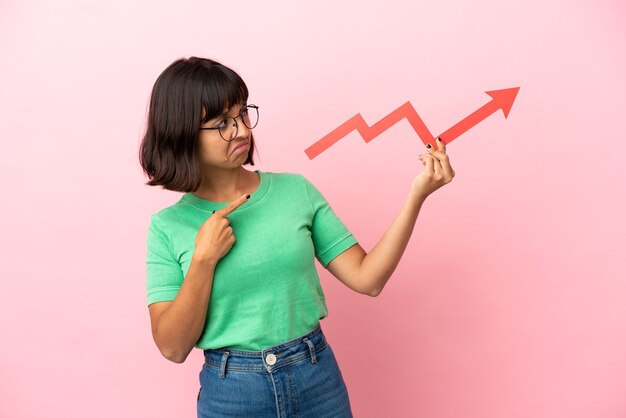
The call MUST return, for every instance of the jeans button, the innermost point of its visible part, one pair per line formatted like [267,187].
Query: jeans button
[270,359]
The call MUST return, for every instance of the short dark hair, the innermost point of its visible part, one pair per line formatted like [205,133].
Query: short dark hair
[189,93]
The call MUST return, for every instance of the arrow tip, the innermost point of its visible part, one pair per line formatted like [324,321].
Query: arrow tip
[504,99]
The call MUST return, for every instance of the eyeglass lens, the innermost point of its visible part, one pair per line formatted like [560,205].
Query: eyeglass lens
[249,116]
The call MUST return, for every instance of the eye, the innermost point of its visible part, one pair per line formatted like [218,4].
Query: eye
[221,124]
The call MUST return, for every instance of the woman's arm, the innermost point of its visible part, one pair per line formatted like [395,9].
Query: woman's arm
[177,325]
[368,272]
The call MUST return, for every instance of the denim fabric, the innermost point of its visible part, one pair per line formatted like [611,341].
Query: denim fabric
[304,381]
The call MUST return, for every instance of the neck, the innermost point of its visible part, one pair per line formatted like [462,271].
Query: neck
[226,184]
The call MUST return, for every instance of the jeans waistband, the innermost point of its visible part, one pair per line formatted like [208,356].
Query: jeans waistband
[269,359]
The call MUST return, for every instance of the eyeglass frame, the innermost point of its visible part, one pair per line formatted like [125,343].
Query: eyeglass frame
[240,115]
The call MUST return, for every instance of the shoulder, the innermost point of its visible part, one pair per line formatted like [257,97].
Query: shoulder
[289,180]
[298,185]
[285,176]
[168,215]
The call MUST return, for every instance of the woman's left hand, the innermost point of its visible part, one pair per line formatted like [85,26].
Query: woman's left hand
[437,173]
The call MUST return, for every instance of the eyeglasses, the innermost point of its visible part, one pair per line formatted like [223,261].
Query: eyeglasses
[227,126]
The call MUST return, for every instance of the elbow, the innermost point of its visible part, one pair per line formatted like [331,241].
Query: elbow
[370,289]
[171,351]
[374,287]
[374,292]
[174,356]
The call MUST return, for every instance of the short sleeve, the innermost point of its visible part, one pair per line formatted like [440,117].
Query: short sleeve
[330,236]
[164,275]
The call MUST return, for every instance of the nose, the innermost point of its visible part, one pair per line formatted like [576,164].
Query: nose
[241,130]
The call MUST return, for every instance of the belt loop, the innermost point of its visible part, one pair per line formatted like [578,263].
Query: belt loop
[223,365]
[312,350]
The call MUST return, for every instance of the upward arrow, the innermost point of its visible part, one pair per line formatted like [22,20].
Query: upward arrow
[501,99]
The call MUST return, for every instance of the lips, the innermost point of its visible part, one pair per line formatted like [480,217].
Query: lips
[241,144]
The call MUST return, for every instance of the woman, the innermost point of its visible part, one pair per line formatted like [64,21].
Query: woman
[253,305]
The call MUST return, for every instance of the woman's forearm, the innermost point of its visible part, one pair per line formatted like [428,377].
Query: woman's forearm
[380,263]
[181,324]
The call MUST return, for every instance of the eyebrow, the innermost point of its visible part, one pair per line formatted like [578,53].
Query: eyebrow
[226,113]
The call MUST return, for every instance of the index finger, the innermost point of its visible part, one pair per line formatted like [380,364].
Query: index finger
[230,208]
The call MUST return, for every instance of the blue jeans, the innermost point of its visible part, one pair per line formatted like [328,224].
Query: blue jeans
[299,378]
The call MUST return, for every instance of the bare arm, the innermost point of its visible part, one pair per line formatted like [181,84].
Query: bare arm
[369,272]
[177,325]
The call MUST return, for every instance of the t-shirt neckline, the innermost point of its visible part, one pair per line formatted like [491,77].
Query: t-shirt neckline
[208,205]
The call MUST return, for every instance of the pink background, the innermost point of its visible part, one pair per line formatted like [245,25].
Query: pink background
[510,298]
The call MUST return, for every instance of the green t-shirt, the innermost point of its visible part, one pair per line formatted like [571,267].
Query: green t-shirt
[265,289]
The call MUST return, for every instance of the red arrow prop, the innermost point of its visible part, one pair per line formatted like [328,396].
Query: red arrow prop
[501,99]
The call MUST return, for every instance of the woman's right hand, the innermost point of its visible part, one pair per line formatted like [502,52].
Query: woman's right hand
[215,237]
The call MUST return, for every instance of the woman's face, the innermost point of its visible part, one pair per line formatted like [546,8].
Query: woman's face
[217,152]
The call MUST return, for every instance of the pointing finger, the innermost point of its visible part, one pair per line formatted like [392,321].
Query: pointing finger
[230,208]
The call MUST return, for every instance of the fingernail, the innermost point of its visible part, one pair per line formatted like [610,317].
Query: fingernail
[428,146]
[247,196]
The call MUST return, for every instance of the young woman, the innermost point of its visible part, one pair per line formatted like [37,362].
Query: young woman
[230,266]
